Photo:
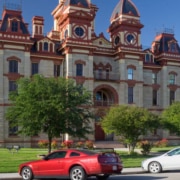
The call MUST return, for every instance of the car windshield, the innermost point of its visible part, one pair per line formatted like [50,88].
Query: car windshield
[174,152]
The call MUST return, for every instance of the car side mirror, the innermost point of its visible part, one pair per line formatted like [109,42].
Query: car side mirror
[45,158]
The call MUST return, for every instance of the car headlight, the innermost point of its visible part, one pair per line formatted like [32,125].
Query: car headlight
[144,161]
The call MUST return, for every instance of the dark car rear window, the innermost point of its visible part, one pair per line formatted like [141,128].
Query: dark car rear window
[88,152]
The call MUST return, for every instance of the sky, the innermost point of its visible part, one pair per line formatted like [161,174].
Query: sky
[155,15]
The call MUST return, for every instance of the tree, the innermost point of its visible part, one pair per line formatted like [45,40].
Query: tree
[129,122]
[171,118]
[51,106]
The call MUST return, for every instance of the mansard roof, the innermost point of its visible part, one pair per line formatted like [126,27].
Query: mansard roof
[167,43]
[12,14]
[125,7]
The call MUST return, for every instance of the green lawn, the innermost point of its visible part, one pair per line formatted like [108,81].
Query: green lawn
[130,161]
[10,161]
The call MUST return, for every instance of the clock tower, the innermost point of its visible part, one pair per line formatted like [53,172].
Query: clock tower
[125,27]
[74,21]
[125,33]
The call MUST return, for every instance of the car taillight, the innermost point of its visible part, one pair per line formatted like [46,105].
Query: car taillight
[107,159]
[119,160]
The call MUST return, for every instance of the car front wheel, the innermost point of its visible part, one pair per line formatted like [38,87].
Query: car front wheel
[78,173]
[155,167]
[27,173]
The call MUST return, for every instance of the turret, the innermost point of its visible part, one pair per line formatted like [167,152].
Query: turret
[37,26]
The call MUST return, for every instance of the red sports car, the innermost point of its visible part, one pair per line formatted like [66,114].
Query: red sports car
[76,164]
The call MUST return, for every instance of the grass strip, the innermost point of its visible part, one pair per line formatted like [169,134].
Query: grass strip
[10,161]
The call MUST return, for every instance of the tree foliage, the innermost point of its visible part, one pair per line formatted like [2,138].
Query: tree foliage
[129,122]
[50,105]
[171,118]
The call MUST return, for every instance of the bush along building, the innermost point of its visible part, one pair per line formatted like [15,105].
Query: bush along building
[116,71]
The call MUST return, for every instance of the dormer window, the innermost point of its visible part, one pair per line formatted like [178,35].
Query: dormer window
[173,47]
[45,46]
[148,58]
[14,26]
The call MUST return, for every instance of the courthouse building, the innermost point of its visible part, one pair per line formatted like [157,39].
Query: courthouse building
[115,71]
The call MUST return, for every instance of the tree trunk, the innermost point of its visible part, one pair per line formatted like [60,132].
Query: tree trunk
[49,144]
[131,148]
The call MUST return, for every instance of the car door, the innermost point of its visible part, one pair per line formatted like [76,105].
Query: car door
[172,160]
[52,165]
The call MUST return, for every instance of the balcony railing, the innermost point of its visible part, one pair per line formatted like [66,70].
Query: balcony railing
[103,103]
[106,76]
[54,34]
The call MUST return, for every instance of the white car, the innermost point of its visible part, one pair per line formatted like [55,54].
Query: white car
[167,161]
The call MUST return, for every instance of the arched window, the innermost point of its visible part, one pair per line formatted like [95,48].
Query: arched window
[130,73]
[79,69]
[13,66]
[45,46]
[100,96]
[171,78]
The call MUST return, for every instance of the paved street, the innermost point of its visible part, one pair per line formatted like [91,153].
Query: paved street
[13,176]
[127,174]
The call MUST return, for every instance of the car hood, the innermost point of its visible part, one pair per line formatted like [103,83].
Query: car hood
[155,158]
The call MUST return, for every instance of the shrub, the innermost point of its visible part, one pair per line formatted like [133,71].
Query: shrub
[89,144]
[79,144]
[161,143]
[54,144]
[67,144]
[43,143]
[145,146]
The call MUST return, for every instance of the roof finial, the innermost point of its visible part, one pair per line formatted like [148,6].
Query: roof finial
[12,4]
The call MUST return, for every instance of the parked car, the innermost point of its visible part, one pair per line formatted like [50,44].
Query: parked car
[76,164]
[166,161]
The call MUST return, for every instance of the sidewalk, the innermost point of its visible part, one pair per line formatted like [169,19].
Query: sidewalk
[9,176]
[13,176]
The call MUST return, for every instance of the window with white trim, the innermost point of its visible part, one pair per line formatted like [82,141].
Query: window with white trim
[130,73]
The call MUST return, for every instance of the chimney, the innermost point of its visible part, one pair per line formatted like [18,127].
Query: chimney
[37,26]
